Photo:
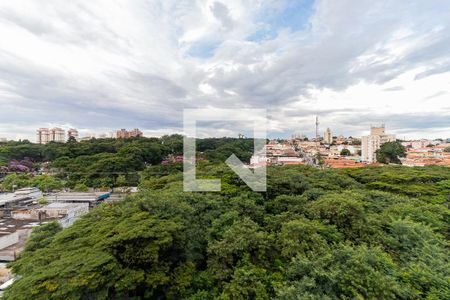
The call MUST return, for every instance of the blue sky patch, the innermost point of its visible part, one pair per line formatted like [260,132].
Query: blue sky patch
[294,15]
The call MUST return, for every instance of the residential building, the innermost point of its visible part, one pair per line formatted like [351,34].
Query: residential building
[275,153]
[328,137]
[72,133]
[352,148]
[417,144]
[42,136]
[299,136]
[3,140]
[123,133]
[57,135]
[371,143]
[426,154]
[45,135]
[135,133]
[341,139]
[340,163]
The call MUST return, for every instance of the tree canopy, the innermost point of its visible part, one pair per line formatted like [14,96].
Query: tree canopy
[390,152]
[369,233]
[110,162]
[345,152]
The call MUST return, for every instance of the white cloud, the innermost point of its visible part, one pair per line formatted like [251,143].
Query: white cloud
[112,64]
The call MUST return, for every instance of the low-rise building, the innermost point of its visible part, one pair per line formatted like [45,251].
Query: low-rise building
[66,213]
[13,234]
[275,153]
[92,198]
[19,198]
[340,162]
[341,139]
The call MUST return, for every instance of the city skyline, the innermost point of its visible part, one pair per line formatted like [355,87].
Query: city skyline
[224,149]
[114,132]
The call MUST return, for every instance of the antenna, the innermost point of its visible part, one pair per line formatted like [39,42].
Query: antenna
[317,127]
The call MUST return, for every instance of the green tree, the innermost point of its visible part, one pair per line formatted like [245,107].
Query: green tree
[46,183]
[365,233]
[319,159]
[71,139]
[80,187]
[42,236]
[121,181]
[15,181]
[345,152]
[42,201]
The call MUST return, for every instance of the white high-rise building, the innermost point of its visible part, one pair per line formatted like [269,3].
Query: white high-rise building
[57,135]
[371,143]
[72,133]
[42,136]
[45,135]
[328,137]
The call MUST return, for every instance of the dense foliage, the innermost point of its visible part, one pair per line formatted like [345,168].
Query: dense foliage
[44,182]
[110,162]
[371,233]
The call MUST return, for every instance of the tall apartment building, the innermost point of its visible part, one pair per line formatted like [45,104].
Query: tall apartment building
[45,135]
[328,137]
[72,132]
[371,143]
[42,136]
[135,133]
[123,133]
[57,135]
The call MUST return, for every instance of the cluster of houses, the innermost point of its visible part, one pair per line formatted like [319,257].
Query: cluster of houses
[275,153]
[426,152]
[27,208]
[345,154]
[294,152]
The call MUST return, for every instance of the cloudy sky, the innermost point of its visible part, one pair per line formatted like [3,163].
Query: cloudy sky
[103,65]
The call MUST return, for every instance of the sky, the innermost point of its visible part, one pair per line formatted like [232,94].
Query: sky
[103,65]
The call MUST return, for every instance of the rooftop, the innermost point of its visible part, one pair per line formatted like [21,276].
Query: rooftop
[10,225]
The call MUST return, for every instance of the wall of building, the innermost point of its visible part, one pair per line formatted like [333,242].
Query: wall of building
[8,240]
